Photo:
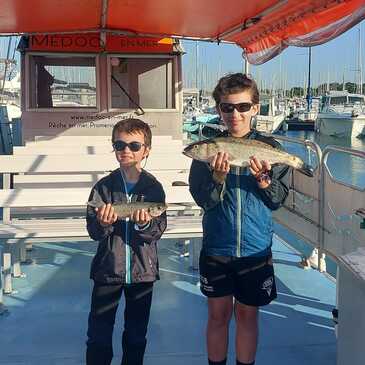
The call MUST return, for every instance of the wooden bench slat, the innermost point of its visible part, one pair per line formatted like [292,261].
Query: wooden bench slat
[76,228]
[83,163]
[72,197]
[27,181]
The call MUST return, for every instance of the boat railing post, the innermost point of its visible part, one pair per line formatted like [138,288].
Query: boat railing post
[200,131]
[6,178]
[2,307]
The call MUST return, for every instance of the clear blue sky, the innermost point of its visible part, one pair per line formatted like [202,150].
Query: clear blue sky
[337,57]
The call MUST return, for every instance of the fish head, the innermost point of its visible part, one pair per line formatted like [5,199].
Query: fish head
[201,151]
[155,210]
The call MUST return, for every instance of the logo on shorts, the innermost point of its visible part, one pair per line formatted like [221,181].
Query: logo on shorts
[267,285]
[203,280]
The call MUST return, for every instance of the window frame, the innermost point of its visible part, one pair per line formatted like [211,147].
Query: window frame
[174,92]
[28,91]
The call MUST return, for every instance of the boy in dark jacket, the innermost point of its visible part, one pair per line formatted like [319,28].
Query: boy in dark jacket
[236,271]
[126,259]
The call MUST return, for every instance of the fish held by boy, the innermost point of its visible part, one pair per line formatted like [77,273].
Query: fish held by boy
[124,210]
[241,150]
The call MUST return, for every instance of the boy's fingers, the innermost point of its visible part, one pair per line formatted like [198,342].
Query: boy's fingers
[214,161]
[219,160]
[110,214]
[266,165]
[227,166]
[257,163]
[253,168]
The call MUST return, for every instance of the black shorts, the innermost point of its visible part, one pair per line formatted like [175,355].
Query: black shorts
[250,280]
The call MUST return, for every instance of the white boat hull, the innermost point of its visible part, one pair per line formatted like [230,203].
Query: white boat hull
[345,126]
[269,123]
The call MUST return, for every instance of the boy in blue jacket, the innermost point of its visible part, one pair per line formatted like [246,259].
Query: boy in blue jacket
[236,269]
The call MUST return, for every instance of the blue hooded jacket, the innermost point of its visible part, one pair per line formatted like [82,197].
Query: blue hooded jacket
[237,217]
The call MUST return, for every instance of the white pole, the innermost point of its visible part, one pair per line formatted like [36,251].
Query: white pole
[247,67]
[360,62]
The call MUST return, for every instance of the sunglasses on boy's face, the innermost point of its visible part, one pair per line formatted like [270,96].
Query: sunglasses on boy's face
[133,146]
[240,107]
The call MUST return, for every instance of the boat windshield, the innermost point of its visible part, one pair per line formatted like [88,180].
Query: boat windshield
[356,99]
[338,100]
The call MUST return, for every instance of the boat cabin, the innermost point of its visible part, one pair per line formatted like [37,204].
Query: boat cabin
[82,84]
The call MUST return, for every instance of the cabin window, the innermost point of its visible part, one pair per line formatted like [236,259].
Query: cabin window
[338,100]
[144,82]
[356,99]
[62,82]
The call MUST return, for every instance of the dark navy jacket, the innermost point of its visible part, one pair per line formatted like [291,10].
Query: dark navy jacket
[125,255]
[237,217]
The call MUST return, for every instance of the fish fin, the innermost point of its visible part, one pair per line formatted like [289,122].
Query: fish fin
[94,204]
[307,170]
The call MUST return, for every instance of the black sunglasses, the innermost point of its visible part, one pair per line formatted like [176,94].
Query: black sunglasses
[133,146]
[240,107]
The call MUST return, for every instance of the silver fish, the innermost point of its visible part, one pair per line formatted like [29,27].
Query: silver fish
[240,150]
[125,210]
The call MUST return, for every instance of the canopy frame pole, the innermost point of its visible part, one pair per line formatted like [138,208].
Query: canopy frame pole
[252,21]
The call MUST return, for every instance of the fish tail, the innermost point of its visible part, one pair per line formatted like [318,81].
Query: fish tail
[306,170]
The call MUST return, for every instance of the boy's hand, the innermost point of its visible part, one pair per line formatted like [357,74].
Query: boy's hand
[260,171]
[106,215]
[140,217]
[220,166]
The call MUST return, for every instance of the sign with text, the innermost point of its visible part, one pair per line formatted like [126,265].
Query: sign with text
[115,43]
[91,42]
[66,42]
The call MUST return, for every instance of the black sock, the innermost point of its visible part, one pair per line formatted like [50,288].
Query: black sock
[243,363]
[223,362]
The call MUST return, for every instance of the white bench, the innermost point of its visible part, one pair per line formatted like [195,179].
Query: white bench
[43,184]
[39,171]
[15,234]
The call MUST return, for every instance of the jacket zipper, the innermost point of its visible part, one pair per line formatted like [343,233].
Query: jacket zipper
[127,248]
[238,216]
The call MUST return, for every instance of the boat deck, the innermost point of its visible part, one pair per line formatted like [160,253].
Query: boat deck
[47,318]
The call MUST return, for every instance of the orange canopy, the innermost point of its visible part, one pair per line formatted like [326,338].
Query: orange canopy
[262,28]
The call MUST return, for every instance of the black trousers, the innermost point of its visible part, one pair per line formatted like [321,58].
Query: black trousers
[104,305]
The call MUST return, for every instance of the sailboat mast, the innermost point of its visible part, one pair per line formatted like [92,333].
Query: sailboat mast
[309,97]
[6,64]
[360,62]
[196,63]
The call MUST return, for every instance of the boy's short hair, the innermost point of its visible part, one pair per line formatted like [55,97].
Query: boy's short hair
[236,83]
[133,125]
